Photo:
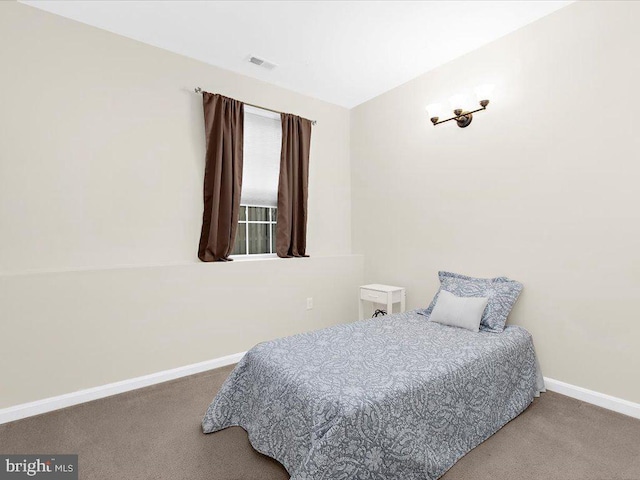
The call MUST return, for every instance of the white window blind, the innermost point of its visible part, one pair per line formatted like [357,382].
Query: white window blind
[262,144]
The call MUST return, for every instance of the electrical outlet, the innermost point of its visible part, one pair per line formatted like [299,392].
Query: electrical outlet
[309,303]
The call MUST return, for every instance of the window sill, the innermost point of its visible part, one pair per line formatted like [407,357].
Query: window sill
[253,258]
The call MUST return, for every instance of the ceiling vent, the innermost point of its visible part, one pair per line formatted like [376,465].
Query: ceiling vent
[261,62]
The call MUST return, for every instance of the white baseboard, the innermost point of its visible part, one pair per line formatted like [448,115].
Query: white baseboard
[596,398]
[24,410]
[30,409]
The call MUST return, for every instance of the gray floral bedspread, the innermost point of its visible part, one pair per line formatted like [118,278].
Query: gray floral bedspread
[396,397]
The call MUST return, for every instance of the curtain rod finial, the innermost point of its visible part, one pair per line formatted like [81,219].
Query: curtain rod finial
[197,90]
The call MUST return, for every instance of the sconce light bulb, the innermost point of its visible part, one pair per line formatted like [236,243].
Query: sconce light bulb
[434,110]
[458,102]
[434,120]
[483,92]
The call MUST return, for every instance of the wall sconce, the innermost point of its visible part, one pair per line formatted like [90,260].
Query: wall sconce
[463,118]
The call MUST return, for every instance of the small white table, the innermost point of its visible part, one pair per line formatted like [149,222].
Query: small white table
[384,294]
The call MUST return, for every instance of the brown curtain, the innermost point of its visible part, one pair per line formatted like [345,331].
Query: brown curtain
[291,229]
[224,122]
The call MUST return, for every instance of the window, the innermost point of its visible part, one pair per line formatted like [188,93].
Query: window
[256,234]
[256,231]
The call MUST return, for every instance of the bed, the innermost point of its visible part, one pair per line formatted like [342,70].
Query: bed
[395,397]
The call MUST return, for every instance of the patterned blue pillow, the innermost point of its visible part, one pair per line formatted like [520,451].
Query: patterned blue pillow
[501,291]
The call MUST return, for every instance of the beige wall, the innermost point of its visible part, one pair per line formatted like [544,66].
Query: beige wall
[72,330]
[101,165]
[101,169]
[542,187]
[103,148]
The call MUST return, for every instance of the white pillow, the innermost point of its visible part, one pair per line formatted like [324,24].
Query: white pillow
[463,312]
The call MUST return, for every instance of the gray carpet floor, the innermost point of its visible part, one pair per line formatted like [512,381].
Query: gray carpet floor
[154,433]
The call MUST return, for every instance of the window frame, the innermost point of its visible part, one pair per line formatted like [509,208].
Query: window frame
[272,222]
[272,209]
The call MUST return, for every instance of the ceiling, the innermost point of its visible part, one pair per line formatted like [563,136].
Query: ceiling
[343,52]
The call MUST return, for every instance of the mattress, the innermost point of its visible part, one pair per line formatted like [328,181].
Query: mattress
[385,398]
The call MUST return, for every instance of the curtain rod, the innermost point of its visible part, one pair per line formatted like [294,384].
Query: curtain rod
[199,90]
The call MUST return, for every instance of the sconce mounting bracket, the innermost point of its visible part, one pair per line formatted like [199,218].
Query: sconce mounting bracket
[464,119]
